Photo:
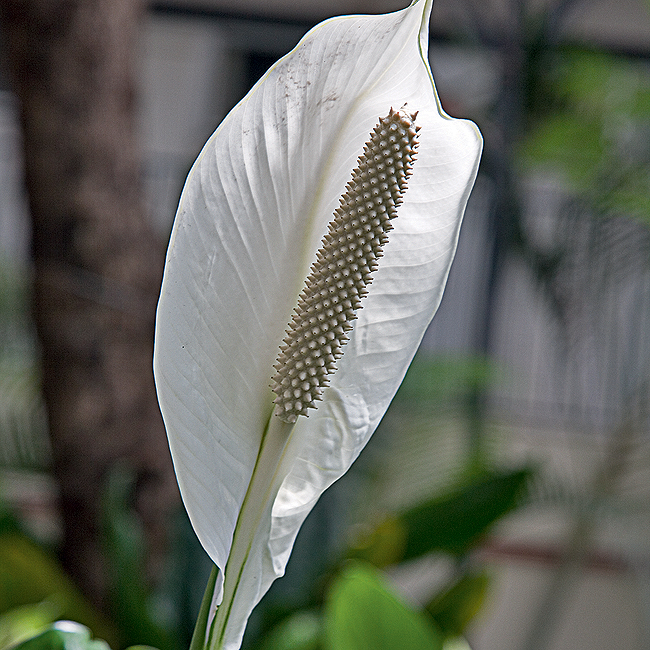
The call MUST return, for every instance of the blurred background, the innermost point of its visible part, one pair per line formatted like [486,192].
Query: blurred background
[506,492]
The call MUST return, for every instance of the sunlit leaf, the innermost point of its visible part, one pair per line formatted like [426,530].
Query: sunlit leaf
[29,575]
[363,612]
[23,622]
[455,608]
[251,217]
[64,635]
[300,631]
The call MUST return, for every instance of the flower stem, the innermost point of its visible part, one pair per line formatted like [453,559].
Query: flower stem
[199,635]
[255,512]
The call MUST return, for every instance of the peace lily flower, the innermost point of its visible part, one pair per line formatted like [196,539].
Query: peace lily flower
[309,253]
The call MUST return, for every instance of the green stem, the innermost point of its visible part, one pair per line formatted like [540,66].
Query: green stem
[264,484]
[199,635]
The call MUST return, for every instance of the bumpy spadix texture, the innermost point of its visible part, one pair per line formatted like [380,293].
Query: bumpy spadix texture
[251,219]
[344,265]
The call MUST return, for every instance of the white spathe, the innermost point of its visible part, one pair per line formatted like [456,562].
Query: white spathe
[254,208]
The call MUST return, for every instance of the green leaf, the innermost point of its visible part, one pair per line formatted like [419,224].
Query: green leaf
[63,635]
[30,575]
[301,631]
[442,378]
[570,142]
[456,521]
[451,523]
[363,613]
[253,212]
[455,607]
[595,132]
[130,596]
[23,622]
[456,643]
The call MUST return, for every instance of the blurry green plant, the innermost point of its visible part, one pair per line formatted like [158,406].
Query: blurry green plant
[35,591]
[132,599]
[66,635]
[594,129]
[63,635]
[361,611]
[359,604]
[23,431]
[452,522]
[586,126]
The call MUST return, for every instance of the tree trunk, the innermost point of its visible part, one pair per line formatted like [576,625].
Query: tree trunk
[97,264]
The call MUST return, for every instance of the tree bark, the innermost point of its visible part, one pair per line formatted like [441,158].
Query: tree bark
[97,264]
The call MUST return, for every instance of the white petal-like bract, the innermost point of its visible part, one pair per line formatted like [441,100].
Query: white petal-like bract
[255,206]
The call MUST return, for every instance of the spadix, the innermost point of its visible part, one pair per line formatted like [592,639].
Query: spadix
[344,264]
[305,263]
